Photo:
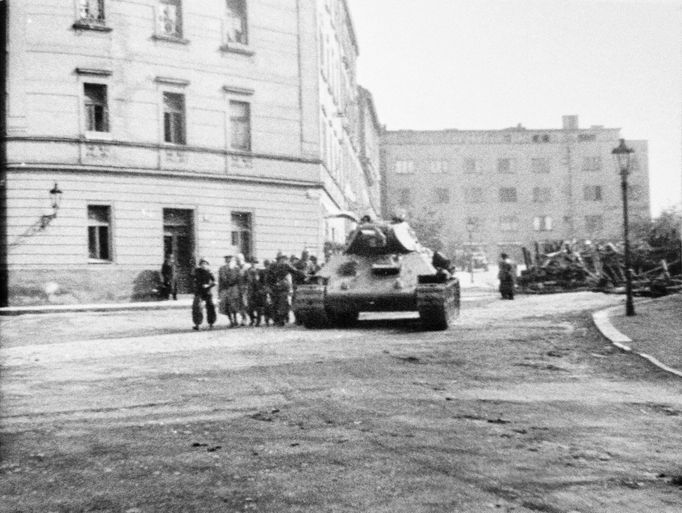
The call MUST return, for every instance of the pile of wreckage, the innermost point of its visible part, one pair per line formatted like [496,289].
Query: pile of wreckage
[600,267]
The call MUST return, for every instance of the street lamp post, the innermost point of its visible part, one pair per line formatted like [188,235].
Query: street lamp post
[471,226]
[622,155]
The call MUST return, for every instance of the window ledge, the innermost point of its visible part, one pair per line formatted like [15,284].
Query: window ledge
[237,48]
[170,39]
[98,261]
[88,25]
[97,136]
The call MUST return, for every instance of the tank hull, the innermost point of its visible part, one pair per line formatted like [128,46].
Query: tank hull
[437,304]
[383,269]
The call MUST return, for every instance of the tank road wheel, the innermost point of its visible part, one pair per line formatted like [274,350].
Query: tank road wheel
[309,306]
[315,319]
[343,318]
[438,304]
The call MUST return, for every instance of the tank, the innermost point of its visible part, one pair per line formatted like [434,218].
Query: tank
[383,268]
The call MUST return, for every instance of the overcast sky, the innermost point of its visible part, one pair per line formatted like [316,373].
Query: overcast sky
[491,64]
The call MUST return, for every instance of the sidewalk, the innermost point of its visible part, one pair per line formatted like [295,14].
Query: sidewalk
[483,286]
[654,332]
[184,302]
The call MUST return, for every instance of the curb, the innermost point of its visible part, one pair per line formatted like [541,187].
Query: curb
[104,307]
[603,324]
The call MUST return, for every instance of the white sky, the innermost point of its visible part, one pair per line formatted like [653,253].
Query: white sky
[490,64]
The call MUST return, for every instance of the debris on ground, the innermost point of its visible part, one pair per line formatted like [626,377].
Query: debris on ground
[575,266]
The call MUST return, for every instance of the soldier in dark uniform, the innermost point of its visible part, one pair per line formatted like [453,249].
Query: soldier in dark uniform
[507,276]
[256,293]
[204,281]
[281,285]
[169,278]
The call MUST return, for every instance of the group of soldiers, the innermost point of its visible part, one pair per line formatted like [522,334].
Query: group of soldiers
[250,294]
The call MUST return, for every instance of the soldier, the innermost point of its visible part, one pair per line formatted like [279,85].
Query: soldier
[268,314]
[281,287]
[230,290]
[169,278]
[224,275]
[256,293]
[507,276]
[243,267]
[204,281]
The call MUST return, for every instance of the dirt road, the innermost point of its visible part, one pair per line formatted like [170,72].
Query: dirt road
[521,406]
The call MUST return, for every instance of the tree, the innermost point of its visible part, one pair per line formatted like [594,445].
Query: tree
[429,226]
[661,237]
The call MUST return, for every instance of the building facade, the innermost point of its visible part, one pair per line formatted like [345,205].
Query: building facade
[501,190]
[196,129]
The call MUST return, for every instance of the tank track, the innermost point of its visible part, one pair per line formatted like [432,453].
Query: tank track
[438,304]
[309,306]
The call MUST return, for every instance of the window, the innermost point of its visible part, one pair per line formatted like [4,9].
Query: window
[91,12]
[442,195]
[438,166]
[242,236]
[404,197]
[509,223]
[240,121]
[539,165]
[236,22]
[542,194]
[404,167]
[592,192]
[96,113]
[470,166]
[473,195]
[587,137]
[99,232]
[541,138]
[594,224]
[591,163]
[542,223]
[507,194]
[169,18]
[174,118]
[504,166]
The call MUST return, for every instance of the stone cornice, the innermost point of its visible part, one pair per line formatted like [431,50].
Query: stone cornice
[41,167]
[162,147]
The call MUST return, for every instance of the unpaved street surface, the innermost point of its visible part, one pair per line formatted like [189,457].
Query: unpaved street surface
[521,406]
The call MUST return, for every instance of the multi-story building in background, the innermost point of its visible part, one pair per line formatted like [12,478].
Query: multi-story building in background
[192,128]
[370,150]
[505,189]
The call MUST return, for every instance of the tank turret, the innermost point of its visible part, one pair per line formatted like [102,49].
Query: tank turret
[383,268]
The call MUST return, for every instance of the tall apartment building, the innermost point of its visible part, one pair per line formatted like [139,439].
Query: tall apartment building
[513,187]
[171,126]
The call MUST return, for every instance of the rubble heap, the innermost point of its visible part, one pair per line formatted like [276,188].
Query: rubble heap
[599,267]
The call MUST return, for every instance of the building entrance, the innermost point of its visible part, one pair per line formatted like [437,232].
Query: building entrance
[178,240]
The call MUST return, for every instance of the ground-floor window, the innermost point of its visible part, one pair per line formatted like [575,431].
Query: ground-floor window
[242,236]
[99,232]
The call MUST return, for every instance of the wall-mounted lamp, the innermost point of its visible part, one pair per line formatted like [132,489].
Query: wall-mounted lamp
[55,199]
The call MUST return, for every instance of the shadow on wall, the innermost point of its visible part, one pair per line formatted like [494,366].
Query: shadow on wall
[147,286]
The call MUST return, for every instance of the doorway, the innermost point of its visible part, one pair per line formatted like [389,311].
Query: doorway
[178,240]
